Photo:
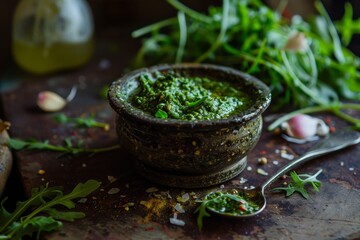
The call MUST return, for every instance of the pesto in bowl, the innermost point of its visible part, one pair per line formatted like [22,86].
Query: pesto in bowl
[188,98]
[188,125]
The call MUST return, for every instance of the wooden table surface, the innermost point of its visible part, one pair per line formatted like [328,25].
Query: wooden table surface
[136,212]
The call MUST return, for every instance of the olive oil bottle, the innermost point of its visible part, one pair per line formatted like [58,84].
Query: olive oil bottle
[52,35]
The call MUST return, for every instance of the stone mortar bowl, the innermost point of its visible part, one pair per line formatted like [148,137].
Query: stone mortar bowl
[189,154]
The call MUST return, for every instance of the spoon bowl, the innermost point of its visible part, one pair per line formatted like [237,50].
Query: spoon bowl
[334,142]
[255,196]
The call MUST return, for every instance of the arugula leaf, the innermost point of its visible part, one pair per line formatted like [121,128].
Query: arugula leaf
[31,144]
[68,216]
[37,214]
[201,210]
[347,26]
[86,122]
[17,144]
[299,182]
[37,225]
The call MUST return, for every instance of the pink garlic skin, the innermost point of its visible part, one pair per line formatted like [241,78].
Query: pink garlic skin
[304,126]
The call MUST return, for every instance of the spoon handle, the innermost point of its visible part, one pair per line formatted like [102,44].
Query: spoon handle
[333,142]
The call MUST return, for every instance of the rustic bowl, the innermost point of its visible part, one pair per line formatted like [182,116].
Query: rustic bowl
[189,154]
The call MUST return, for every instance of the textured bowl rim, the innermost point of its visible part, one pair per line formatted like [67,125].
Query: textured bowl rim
[124,107]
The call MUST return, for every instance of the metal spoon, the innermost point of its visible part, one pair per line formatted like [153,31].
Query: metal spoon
[333,142]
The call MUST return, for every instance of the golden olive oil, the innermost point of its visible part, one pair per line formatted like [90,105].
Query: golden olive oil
[40,59]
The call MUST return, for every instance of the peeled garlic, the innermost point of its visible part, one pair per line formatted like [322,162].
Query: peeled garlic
[304,127]
[296,42]
[51,102]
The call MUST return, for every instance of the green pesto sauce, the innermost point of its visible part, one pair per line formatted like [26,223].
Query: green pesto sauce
[188,98]
[230,203]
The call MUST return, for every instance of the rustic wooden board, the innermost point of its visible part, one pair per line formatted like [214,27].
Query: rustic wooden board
[332,213]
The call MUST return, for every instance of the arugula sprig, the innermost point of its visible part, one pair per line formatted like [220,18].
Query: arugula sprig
[86,122]
[68,148]
[299,183]
[39,213]
[201,210]
[347,26]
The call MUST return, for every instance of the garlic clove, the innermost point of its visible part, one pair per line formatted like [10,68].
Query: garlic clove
[296,42]
[300,126]
[50,102]
[305,127]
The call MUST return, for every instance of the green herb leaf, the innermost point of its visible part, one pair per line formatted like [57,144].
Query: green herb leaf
[299,183]
[40,224]
[61,118]
[104,92]
[19,144]
[67,216]
[42,202]
[201,210]
[86,122]
[197,103]
[161,114]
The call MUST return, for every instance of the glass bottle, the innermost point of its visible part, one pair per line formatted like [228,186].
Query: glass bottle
[52,35]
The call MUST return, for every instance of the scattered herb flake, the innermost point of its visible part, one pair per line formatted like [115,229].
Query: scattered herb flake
[152,190]
[127,206]
[113,191]
[111,179]
[261,172]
